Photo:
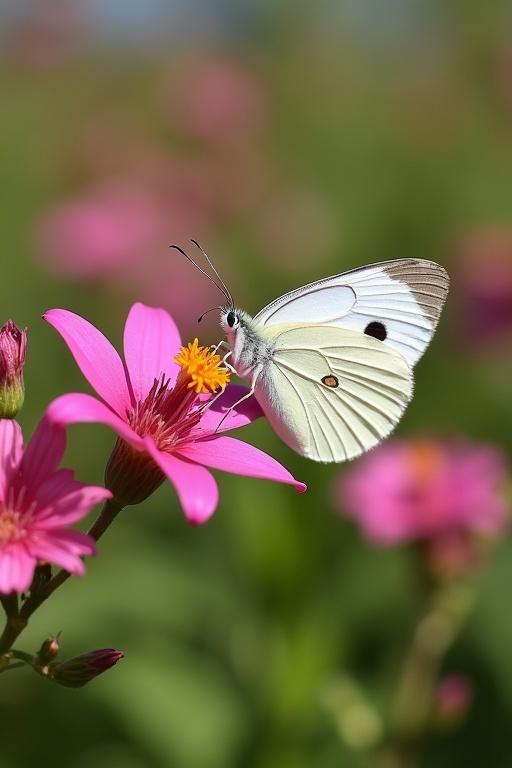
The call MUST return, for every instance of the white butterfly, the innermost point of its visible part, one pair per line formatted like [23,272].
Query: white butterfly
[331,363]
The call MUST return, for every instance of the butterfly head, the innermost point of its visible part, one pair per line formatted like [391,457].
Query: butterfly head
[243,337]
[230,320]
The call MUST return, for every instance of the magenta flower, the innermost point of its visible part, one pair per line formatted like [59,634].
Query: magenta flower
[37,504]
[425,490]
[166,427]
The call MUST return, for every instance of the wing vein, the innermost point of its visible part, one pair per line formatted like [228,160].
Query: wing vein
[297,392]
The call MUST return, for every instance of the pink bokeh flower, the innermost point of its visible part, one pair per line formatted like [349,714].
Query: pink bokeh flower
[219,102]
[485,287]
[156,414]
[95,235]
[38,502]
[425,490]
[453,699]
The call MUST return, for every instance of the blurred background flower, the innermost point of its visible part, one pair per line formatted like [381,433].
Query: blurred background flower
[426,489]
[218,101]
[484,274]
[293,141]
[102,234]
[454,697]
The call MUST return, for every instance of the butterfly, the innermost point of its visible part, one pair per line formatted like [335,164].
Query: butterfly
[331,363]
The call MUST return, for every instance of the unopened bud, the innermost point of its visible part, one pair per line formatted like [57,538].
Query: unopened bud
[13,345]
[80,670]
[48,651]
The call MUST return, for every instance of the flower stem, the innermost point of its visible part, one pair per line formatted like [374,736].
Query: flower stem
[17,620]
[10,604]
[16,665]
[436,631]
[26,658]
[13,625]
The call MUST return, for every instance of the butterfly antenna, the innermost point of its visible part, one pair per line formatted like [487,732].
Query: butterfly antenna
[215,271]
[213,309]
[221,287]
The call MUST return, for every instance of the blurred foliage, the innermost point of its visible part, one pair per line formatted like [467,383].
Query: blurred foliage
[235,633]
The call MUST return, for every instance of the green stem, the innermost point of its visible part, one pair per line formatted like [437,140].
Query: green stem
[26,658]
[16,665]
[436,631]
[16,623]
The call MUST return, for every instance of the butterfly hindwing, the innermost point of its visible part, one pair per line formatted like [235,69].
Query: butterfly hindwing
[397,302]
[332,394]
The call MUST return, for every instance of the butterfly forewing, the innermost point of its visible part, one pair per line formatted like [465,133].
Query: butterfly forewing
[397,302]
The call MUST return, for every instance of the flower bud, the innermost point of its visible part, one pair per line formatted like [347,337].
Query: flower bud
[80,670]
[13,344]
[48,651]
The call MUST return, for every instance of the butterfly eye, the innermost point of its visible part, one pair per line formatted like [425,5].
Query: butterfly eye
[231,319]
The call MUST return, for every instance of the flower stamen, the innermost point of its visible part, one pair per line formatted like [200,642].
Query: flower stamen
[11,527]
[204,368]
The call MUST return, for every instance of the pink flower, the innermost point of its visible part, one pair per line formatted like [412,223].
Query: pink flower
[425,490]
[37,504]
[219,102]
[166,428]
[485,287]
[454,697]
[95,235]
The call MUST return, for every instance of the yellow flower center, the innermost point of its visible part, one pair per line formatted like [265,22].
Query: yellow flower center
[426,460]
[10,527]
[204,367]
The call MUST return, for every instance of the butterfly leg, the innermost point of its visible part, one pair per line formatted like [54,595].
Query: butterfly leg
[228,365]
[249,394]
[215,347]
[223,344]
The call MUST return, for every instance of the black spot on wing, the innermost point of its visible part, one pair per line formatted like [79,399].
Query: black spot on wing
[377,330]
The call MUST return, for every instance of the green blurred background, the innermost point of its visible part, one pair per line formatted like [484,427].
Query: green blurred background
[294,140]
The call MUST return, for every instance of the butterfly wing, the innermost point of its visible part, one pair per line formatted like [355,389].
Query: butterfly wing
[331,393]
[398,302]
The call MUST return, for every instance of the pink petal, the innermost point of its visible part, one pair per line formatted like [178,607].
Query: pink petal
[71,507]
[239,458]
[11,451]
[16,569]
[59,484]
[151,341]
[95,356]
[43,454]
[64,548]
[195,486]
[79,408]
[244,414]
